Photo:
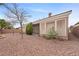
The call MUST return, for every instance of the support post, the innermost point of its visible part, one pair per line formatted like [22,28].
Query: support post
[66,27]
[55,25]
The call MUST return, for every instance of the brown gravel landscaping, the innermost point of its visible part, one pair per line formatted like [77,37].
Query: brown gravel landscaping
[13,45]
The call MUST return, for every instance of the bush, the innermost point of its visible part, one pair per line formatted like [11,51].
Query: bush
[29,29]
[51,34]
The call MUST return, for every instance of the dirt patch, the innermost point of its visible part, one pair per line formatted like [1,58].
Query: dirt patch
[35,45]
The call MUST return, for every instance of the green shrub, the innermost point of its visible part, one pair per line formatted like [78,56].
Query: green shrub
[51,34]
[29,29]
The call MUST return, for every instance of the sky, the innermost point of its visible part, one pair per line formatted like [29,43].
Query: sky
[41,10]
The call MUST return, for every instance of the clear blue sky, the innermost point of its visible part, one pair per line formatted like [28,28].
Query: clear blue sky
[38,10]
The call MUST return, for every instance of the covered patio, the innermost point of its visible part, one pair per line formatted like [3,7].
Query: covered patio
[59,22]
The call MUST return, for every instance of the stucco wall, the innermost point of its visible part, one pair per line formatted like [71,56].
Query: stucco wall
[61,26]
[50,25]
[36,29]
[24,28]
[42,28]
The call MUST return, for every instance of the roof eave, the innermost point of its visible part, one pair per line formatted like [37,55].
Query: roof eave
[67,13]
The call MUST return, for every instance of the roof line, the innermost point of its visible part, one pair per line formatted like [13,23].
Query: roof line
[54,15]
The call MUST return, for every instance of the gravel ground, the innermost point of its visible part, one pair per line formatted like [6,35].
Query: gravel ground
[13,45]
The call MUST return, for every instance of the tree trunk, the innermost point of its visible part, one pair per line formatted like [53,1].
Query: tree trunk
[13,31]
[21,31]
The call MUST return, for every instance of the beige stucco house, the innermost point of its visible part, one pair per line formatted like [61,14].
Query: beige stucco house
[59,22]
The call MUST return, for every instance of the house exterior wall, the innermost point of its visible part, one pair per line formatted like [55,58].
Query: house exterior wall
[58,22]
[36,29]
[42,28]
[60,25]
[24,28]
[50,25]
[61,28]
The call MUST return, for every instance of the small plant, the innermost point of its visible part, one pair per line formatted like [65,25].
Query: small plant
[51,34]
[29,29]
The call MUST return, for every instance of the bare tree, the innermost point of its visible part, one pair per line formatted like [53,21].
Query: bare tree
[12,22]
[17,14]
